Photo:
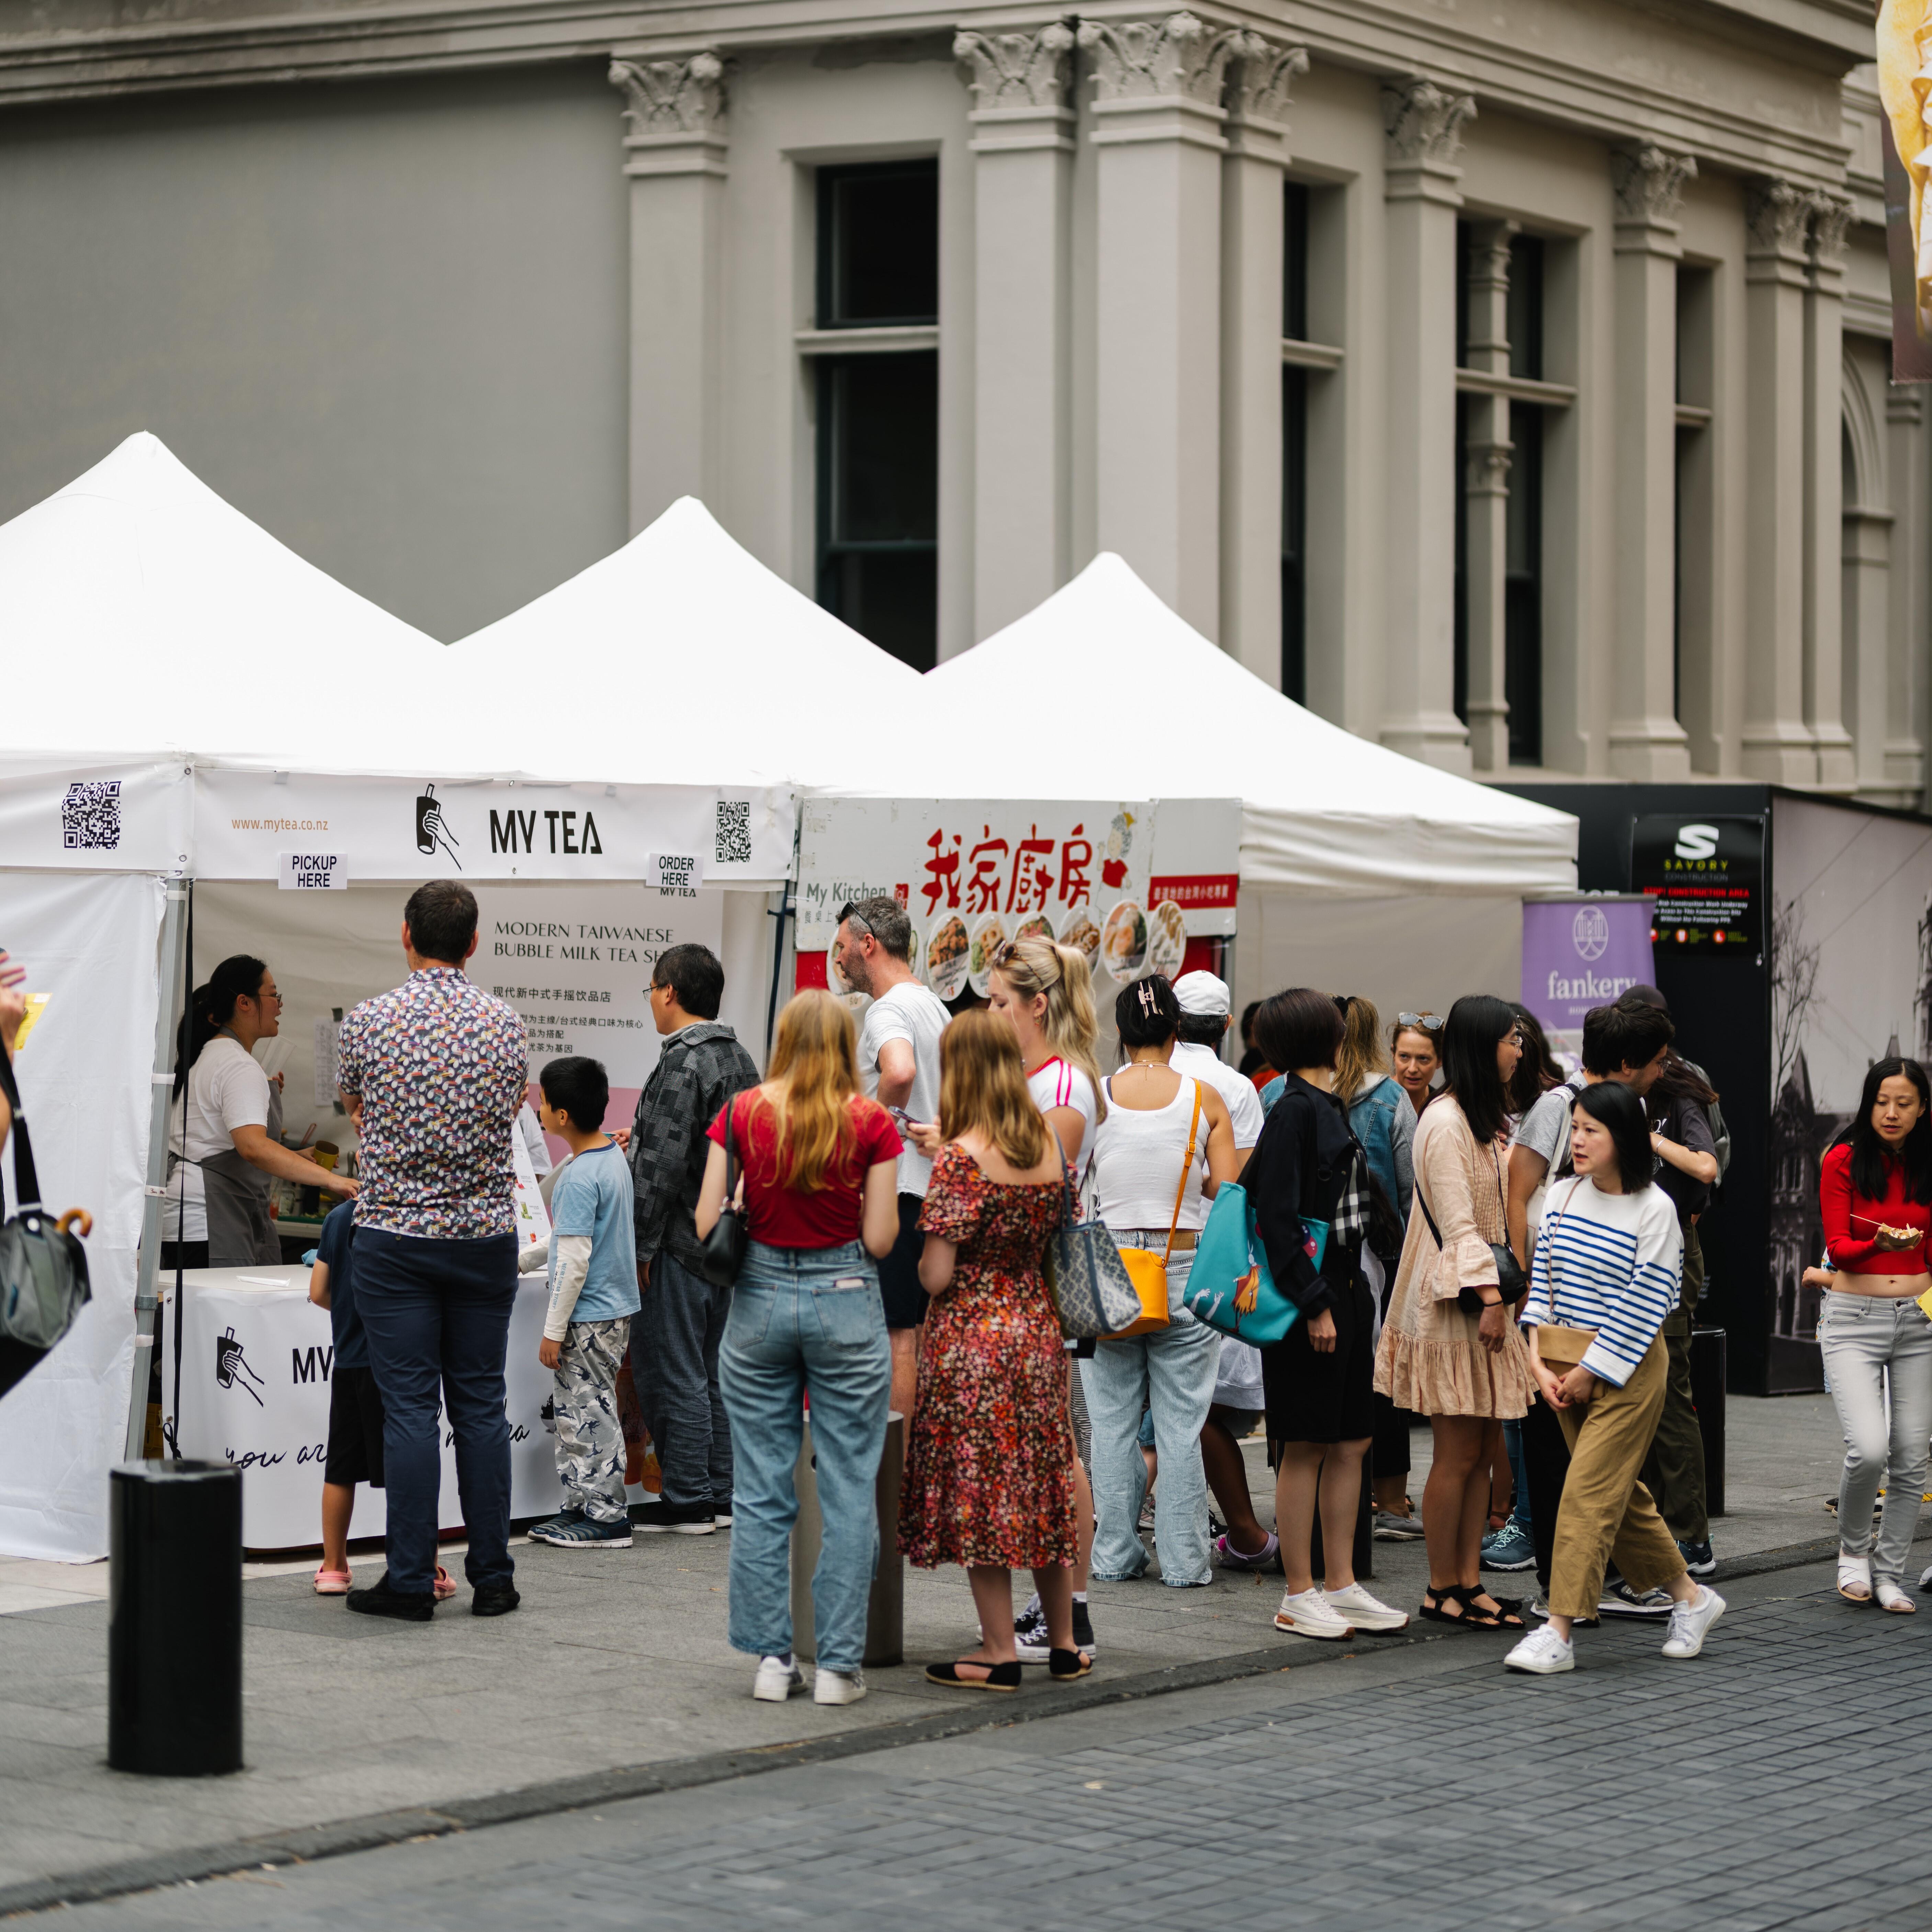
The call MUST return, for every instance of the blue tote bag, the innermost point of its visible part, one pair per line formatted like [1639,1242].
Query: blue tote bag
[1230,1287]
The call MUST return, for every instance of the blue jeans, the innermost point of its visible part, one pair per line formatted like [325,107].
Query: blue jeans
[806,1322]
[1170,1372]
[1519,1473]
[437,1314]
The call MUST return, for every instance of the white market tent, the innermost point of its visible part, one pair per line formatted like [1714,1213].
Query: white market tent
[708,668]
[187,698]
[1362,870]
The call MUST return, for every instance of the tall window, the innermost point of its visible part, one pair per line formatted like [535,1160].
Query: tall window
[1294,450]
[1522,566]
[878,411]
[1522,570]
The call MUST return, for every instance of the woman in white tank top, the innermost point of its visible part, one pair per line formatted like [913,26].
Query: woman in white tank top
[1141,1161]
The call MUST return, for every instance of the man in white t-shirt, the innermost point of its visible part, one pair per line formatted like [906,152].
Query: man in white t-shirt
[1206,1010]
[898,1066]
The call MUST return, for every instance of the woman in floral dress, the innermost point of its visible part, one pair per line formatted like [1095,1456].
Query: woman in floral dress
[989,1472]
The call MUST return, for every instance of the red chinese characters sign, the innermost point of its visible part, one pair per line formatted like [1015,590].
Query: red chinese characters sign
[943,859]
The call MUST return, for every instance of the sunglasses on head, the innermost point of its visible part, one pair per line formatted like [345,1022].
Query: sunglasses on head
[1427,1022]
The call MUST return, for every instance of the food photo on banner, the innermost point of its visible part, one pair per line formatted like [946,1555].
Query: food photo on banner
[1904,49]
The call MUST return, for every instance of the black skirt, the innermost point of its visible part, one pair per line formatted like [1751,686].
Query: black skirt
[1315,1397]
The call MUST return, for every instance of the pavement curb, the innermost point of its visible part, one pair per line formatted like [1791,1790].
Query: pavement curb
[305,1844]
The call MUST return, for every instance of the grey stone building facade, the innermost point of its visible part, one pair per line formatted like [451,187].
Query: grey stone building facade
[1510,383]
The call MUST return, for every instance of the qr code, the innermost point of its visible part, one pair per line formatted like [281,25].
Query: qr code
[91,817]
[734,831]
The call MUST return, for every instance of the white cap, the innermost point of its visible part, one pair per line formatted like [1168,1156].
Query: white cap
[1203,996]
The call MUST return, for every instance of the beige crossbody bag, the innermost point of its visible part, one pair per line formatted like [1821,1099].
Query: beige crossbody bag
[1559,1346]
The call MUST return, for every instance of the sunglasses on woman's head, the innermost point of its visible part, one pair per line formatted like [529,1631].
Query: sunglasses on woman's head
[1428,1022]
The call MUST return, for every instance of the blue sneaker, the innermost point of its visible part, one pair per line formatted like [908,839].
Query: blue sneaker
[1510,1549]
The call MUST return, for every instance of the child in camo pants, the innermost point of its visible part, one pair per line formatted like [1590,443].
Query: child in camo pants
[593,1294]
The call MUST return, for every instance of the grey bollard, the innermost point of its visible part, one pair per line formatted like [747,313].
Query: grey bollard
[174,1628]
[885,1609]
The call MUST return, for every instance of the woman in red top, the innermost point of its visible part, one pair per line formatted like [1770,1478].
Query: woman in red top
[1876,1201]
[819,1190]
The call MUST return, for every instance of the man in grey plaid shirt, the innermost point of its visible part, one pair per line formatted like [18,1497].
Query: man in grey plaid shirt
[676,1334]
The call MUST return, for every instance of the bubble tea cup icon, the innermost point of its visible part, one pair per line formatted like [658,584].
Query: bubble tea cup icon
[430,830]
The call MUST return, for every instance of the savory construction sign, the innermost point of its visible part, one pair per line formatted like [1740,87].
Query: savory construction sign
[1126,880]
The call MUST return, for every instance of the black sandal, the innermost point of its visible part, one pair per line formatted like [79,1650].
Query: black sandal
[1436,1614]
[1508,1615]
[1063,1666]
[999,1676]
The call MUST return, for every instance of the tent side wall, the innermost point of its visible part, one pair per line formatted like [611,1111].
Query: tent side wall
[1403,954]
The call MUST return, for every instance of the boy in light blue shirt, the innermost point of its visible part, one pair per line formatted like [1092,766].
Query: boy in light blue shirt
[593,1293]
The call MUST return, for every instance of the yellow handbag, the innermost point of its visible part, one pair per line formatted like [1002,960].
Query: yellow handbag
[1148,1270]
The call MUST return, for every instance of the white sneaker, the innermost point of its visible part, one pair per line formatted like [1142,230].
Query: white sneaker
[1689,1622]
[838,1687]
[1366,1612]
[1308,1615]
[776,1680]
[1542,1654]
[1925,1582]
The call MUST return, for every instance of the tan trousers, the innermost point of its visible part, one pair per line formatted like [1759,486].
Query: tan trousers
[1606,1512]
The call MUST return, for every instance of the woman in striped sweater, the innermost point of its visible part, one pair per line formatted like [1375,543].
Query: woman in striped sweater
[1608,1259]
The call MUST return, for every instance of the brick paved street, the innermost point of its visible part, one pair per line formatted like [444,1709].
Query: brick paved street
[1773,1783]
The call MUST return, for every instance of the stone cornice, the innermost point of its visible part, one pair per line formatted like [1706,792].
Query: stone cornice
[282,43]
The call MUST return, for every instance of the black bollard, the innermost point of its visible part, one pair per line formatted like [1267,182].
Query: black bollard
[174,1631]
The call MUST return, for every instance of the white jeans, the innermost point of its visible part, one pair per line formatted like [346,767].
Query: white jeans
[1874,1348]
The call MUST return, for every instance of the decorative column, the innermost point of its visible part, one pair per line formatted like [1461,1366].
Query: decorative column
[1485,469]
[1424,124]
[1776,742]
[1824,494]
[1865,567]
[1157,357]
[1252,327]
[1906,658]
[1646,741]
[674,143]
[1022,146]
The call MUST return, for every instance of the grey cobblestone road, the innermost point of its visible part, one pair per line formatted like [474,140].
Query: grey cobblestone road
[1778,1781]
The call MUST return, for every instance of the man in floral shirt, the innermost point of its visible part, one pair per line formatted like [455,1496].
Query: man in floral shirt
[441,1069]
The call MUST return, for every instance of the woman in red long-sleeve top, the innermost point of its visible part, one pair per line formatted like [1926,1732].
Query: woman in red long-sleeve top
[1876,1201]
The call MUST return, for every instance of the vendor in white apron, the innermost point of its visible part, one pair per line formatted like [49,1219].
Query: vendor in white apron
[225,1131]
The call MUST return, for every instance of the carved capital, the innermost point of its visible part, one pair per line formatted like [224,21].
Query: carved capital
[1649,182]
[1263,73]
[1424,122]
[1017,69]
[1830,216]
[1485,469]
[670,97]
[1156,60]
[1777,216]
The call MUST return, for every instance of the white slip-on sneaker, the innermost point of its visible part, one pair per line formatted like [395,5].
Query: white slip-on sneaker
[1363,1612]
[1542,1654]
[776,1680]
[1690,1621]
[838,1687]
[1309,1615]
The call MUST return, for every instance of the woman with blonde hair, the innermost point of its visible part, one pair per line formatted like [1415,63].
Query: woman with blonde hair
[1045,992]
[989,1469]
[815,1168]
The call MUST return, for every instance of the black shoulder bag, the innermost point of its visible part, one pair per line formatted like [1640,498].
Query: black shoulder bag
[722,1253]
[1511,1282]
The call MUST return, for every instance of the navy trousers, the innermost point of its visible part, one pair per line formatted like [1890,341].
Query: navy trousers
[437,1314]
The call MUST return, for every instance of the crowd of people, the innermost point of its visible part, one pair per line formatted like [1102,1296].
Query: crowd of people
[1469,1235]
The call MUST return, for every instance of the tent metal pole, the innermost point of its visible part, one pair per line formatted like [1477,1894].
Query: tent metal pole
[174,935]
[777,964]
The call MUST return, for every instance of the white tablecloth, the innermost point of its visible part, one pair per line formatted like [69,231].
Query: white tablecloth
[255,1363]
